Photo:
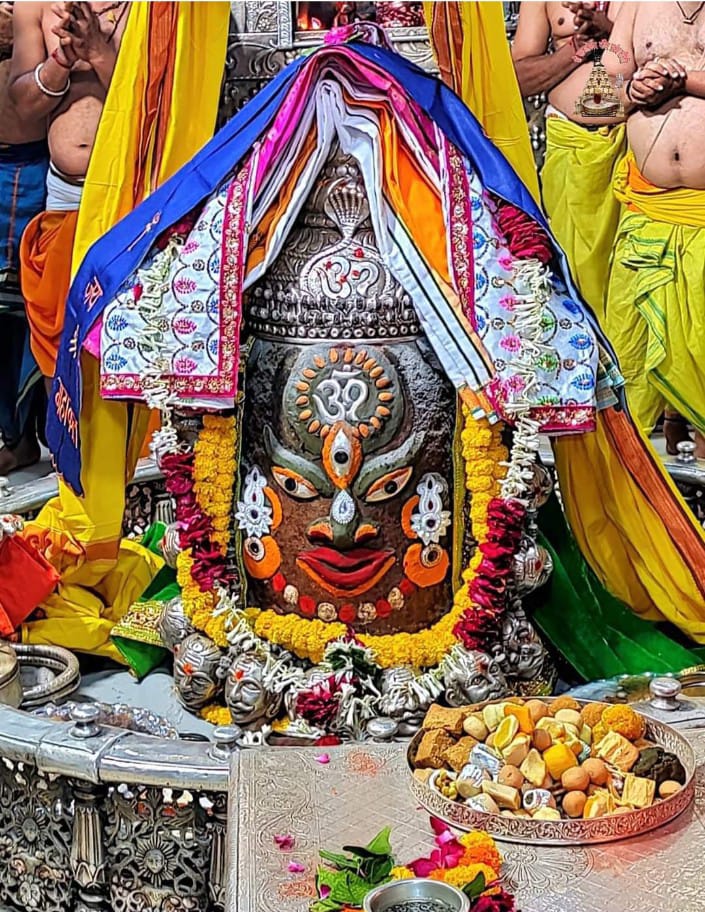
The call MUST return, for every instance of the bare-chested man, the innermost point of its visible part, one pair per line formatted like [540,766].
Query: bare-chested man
[552,54]
[63,60]
[23,168]
[655,311]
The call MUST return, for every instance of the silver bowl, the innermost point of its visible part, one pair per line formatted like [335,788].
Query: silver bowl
[420,894]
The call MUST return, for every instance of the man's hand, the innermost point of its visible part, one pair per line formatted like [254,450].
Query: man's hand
[65,53]
[657,82]
[589,20]
[81,36]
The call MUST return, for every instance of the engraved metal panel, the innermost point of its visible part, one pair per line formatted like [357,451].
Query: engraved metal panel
[364,788]
[35,840]
[158,851]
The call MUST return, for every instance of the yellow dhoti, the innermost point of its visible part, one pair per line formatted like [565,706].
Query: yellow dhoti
[655,315]
[576,186]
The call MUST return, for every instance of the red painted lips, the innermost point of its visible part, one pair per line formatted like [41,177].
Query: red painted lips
[346,572]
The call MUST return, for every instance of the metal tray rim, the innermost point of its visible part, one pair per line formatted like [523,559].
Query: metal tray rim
[566,832]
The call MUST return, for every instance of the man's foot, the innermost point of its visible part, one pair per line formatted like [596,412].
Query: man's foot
[675,430]
[26,453]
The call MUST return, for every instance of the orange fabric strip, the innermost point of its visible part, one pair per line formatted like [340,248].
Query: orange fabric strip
[45,257]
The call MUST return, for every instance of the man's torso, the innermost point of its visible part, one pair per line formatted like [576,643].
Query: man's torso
[565,95]
[74,123]
[668,144]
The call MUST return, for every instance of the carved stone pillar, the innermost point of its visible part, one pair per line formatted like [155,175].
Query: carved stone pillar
[218,873]
[88,859]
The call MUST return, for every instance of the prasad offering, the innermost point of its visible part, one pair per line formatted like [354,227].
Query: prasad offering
[551,761]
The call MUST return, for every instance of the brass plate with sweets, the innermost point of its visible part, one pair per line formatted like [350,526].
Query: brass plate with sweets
[562,832]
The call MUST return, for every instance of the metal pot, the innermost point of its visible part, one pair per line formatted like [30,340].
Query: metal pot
[397,893]
[10,682]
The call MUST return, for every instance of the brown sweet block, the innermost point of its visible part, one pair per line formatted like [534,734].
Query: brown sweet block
[432,749]
[458,755]
[451,720]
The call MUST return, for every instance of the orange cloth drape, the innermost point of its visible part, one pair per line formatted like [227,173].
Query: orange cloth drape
[45,257]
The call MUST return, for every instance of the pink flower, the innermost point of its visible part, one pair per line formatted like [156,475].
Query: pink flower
[285,842]
[322,759]
[514,384]
[524,237]
[184,325]
[185,286]
[499,902]
[511,343]
[295,867]
[508,302]
[185,365]
[447,855]
[505,261]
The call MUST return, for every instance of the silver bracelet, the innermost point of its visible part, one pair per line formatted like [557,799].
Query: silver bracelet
[42,88]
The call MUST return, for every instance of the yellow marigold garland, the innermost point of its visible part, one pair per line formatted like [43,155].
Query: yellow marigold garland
[213,476]
[216,715]
[485,458]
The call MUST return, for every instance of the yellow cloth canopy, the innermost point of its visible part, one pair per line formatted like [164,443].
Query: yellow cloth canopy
[469,40]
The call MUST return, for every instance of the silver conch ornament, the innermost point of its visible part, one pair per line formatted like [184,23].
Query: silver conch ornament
[170,545]
[196,671]
[174,626]
[472,677]
[533,566]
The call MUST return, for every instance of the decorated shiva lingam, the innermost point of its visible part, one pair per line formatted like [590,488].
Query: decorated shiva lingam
[350,515]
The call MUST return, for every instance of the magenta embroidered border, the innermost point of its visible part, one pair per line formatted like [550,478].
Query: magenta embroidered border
[233,261]
[462,260]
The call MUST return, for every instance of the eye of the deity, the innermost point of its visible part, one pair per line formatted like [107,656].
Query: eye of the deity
[294,484]
[388,485]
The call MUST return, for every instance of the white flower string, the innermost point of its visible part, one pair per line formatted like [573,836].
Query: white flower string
[532,291]
[154,283]
[516,484]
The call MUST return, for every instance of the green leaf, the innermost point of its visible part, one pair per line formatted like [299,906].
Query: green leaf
[346,887]
[327,905]
[358,889]
[378,870]
[343,862]
[381,844]
[475,887]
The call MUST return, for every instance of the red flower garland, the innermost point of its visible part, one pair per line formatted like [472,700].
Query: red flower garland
[194,527]
[524,237]
[319,704]
[488,589]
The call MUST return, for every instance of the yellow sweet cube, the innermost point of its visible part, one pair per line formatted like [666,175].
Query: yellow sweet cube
[558,759]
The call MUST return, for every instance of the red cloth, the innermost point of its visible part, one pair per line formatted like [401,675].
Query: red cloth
[26,580]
